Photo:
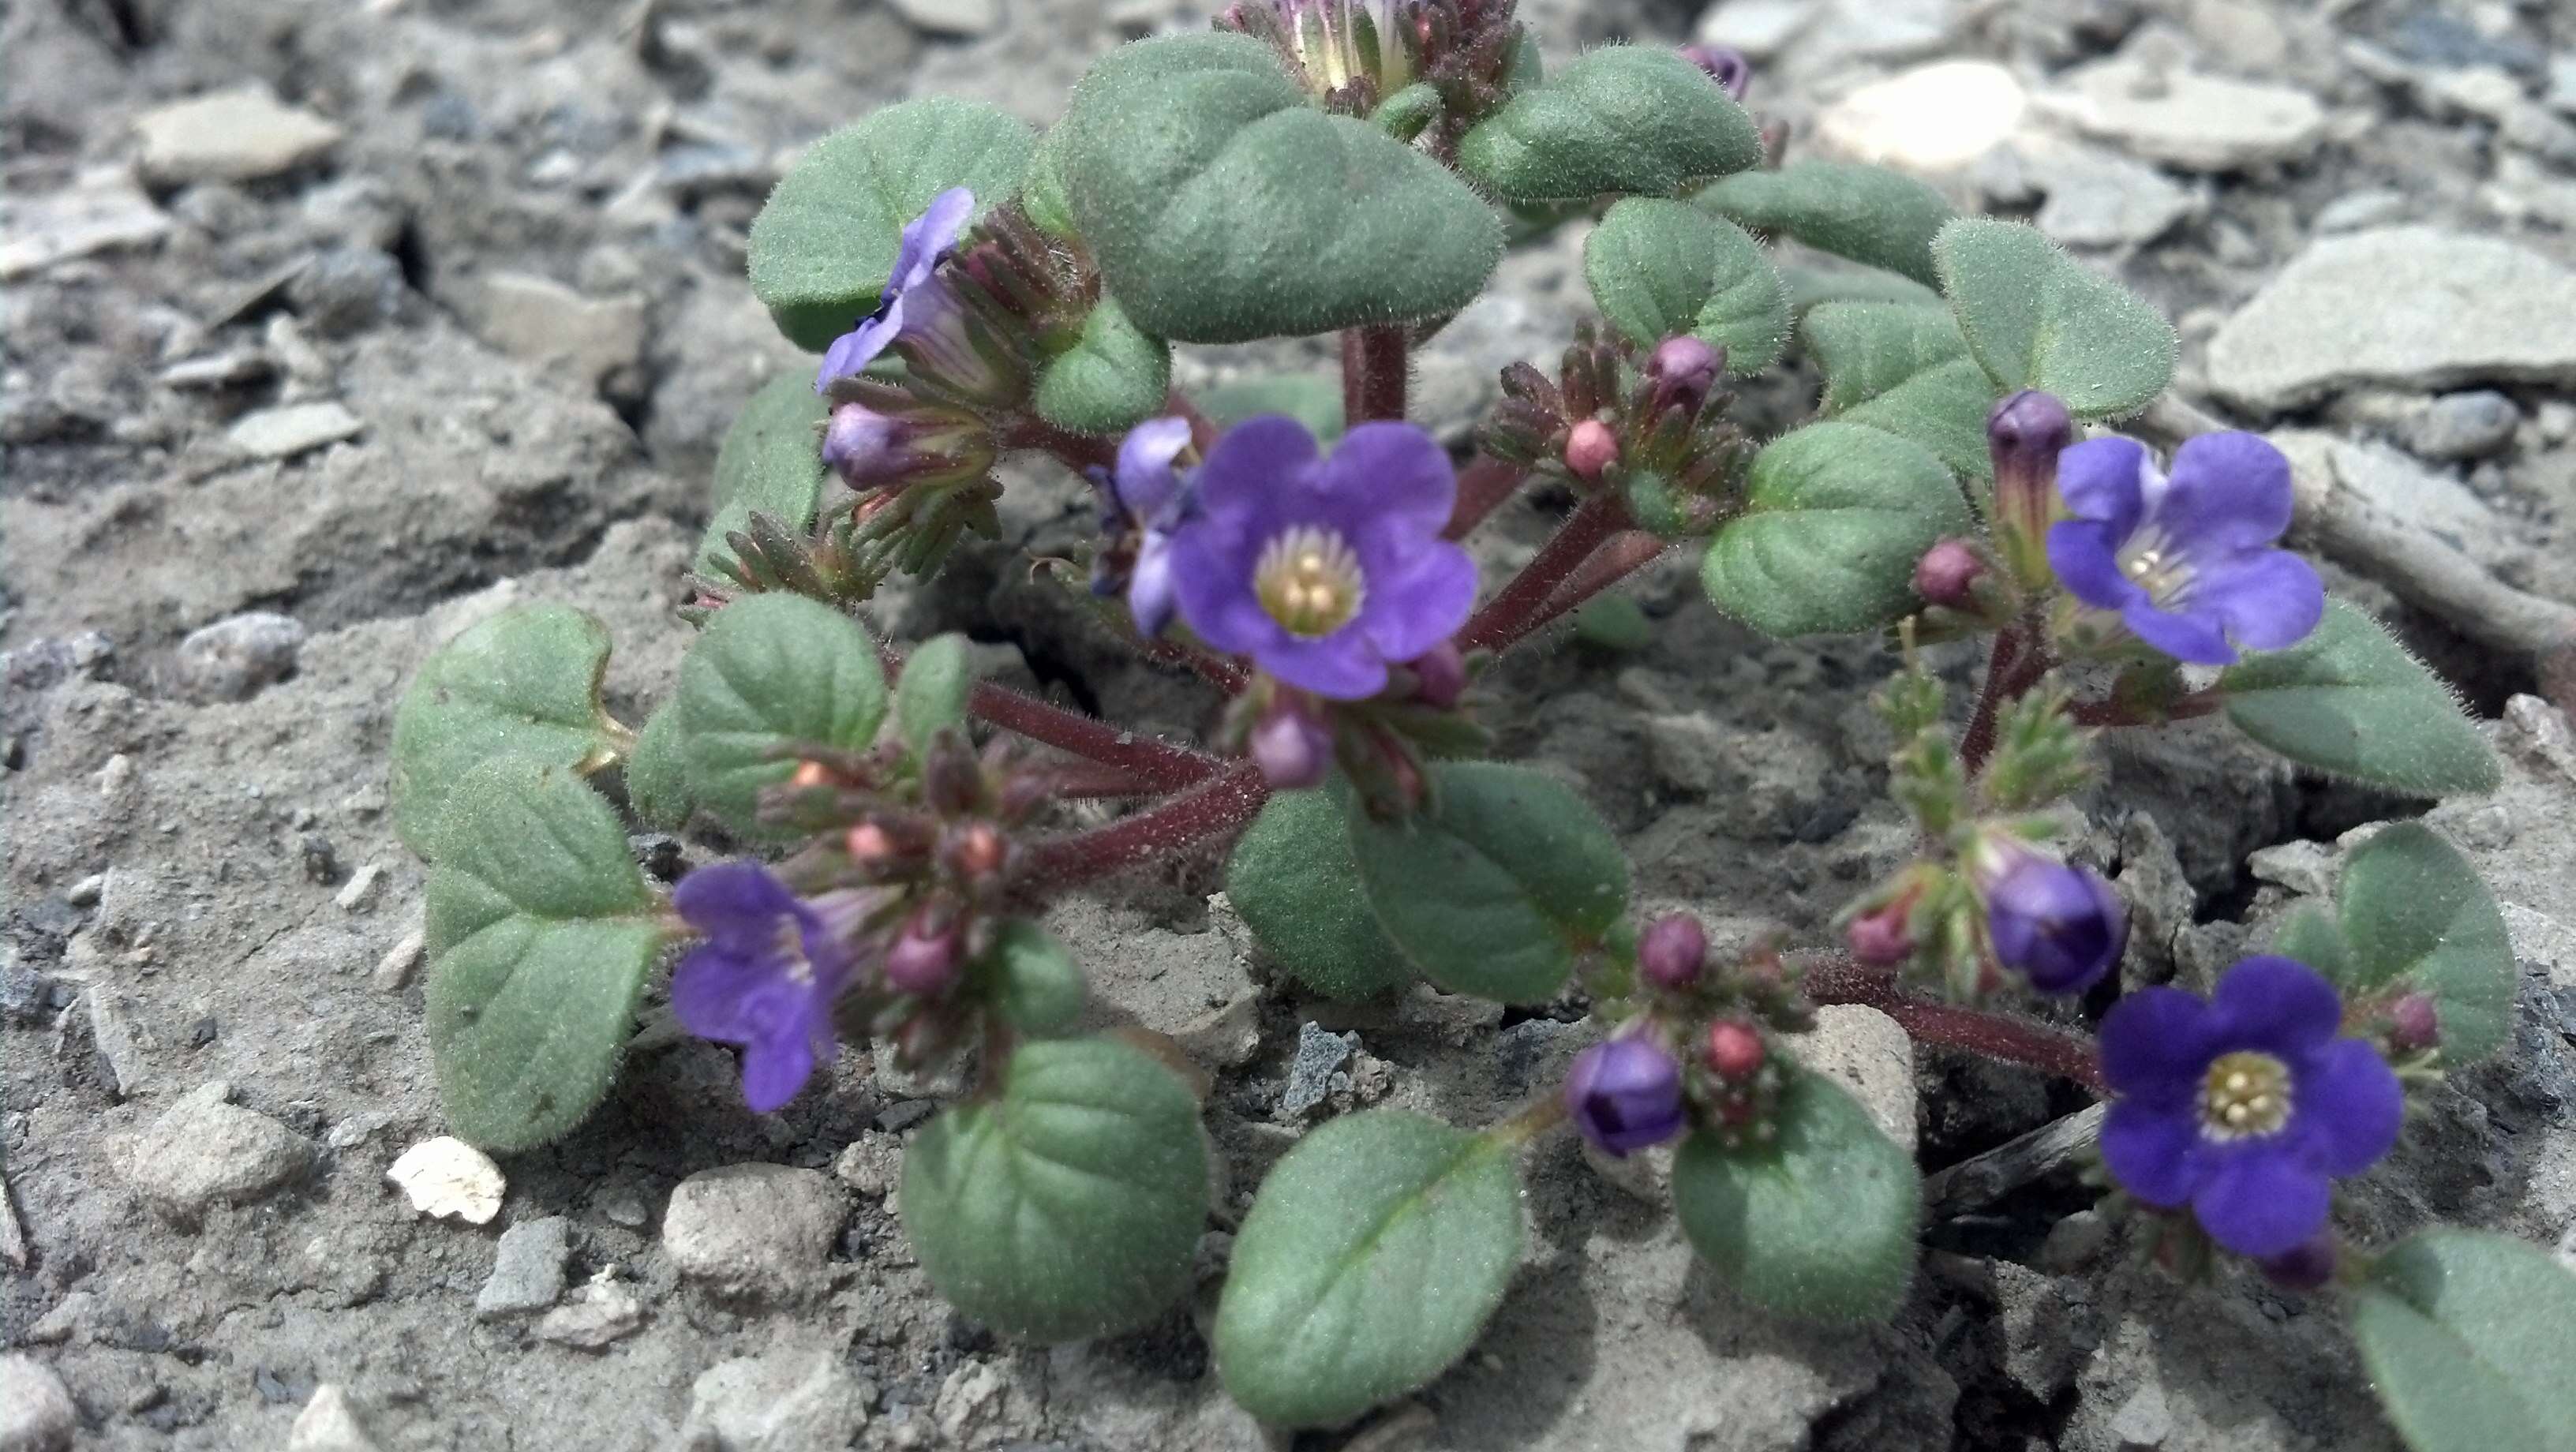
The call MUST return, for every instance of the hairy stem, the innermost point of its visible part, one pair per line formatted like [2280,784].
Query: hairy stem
[2017,664]
[2117,713]
[1482,487]
[1627,552]
[1831,978]
[1075,451]
[1507,616]
[1385,356]
[1198,815]
[1159,764]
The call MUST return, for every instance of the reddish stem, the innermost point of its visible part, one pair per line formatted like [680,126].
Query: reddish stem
[1159,764]
[2008,1037]
[1506,617]
[1216,807]
[2016,666]
[1075,451]
[1482,487]
[1628,551]
[1374,362]
[2117,713]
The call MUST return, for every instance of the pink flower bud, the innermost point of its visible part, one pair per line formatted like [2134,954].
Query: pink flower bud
[1440,676]
[1591,448]
[924,958]
[1735,1050]
[2413,1023]
[1881,938]
[1294,750]
[1672,950]
[1684,372]
[1947,572]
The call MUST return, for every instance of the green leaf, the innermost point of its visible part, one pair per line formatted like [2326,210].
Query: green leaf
[1310,398]
[1112,379]
[1819,1223]
[2413,911]
[1866,213]
[2037,318]
[1042,196]
[771,461]
[2470,1341]
[1223,208]
[1904,369]
[1660,268]
[524,684]
[930,695]
[824,244]
[1624,118]
[540,941]
[657,778]
[1613,622]
[1369,1264]
[2311,935]
[1495,886]
[1031,980]
[1297,886]
[1810,286]
[772,673]
[1070,1205]
[2350,700]
[1835,517]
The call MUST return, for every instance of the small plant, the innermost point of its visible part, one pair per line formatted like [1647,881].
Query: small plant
[1329,166]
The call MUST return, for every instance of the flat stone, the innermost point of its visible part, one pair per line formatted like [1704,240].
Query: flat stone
[2469,425]
[1760,29]
[2561,93]
[283,433]
[112,1034]
[1224,1038]
[394,970]
[2187,120]
[2402,488]
[236,135]
[232,659]
[36,1412]
[2307,868]
[1310,1073]
[2354,211]
[558,329]
[100,212]
[755,1232]
[1933,118]
[785,1401]
[2445,308]
[206,1151]
[446,1178]
[527,1269]
[950,17]
[361,888]
[328,1424]
[2099,198]
[2524,190]
[1866,1052]
[599,1313]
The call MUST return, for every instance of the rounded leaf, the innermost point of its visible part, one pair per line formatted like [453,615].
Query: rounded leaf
[1866,213]
[772,673]
[1660,268]
[1906,370]
[1113,377]
[2037,318]
[771,462]
[930,695]
[2349,700]
[657,780]
[1068,1206]
[1835,517]
[2412,910]
[1620,119]
[524,684]
[1032,980]
[2470,1342]
[1295,882]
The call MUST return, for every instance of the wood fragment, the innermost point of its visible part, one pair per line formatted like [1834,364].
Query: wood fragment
[1986,1178]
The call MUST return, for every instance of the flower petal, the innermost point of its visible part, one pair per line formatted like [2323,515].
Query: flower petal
[1397,474]
[1253,464]
[2278,1005]
[2189,635]
[1417,597]
[2149,1150]
[2157,1042]
[2085,557]
[1341,666]
[2270,599]
[774,1068]
[2229,491]
[1150,597]
[2259,1201]
[2106,481]
[928,237]
[1211,572]
[715,992]
[2349,1105]
[738,904]
[1146,480]
[853,351]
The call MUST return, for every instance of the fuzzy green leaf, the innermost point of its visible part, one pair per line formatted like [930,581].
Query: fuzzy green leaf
[1031,979]
[1297,886]
[771,461]
[2349,700]
[1866,213]
[657,779]
[1621,119]
[1613,622]
[523,684]
[772,673]
[1068,1206]
[1810,286]
[930,695]
[2470,1341]
[1112,379]
[1495,886]
[2413,910]
[1369,1264]
[1310,398]
[825,242]
[1904,369]
[1223,208]
[2037,318]
[1836,515]
[540,941]
[2311,935]
[1819,1223]
[1659,268]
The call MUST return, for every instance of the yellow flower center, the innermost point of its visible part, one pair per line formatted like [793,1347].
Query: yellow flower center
[2244,1095]
[1309,579]
[2150,561]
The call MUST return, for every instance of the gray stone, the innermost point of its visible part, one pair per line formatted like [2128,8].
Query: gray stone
[951,17]
[2144,1421]
[1224,1038]
[754,1232]
[348,290]
[2524,190]
[558,329]
[2561,95]
[328,1424]
[2187,120]
[527,1269]
[1759,28]
[283,433]
[599,1313]
[2354,211]
[233,658]
[2469,425]
[1869,1054]
[785,1401]
[2099,198]
[872,1164]
[36,1413]
[2402,488]
[235,135]
[101,211]
[112,1034]
[207,1151]
[1310,1073]
[2308,868]
[2445,308]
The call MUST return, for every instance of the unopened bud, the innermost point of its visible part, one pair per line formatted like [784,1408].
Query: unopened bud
[952,780]
[2305,1267]
[2025,433]
[1440,676]
[1947,574]
[1735,1050]
[1881,938]
[810,774]
[1725,65]
[1590,449]
[1294,750]
[925,955]
[976,850]
[2413,1023]
[1684,372]
[1672,950]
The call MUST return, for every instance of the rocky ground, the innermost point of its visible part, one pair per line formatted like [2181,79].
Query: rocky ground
[330,327]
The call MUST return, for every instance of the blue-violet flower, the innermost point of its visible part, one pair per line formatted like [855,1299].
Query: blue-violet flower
[1322,569]
[1625,1094]
[765,978]
[926,241]
[2060,927]
[1147,499]
[2244,1107]
[2187,559]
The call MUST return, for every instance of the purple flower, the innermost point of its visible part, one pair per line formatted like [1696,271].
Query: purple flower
[916,444]
[1625,1094]
[765,978]
[926,241]
[1148,497]
[1323,569]
[1725,65]
[2060,927]
[2188,561]
[2246,1106]
[1293,749]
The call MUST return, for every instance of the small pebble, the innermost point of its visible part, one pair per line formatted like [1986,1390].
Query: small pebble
[361,887]
[527,1269]
[449,1179]
[395,968]
[232,659]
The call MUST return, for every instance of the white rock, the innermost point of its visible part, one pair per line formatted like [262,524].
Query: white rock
[207,1151]
[102,210]
[233,658]
[395,968]
[1933,118]
[2354,211]
[1759,28]
[328,1424]
[234,135]
[2408,307]
[2524,190]
[2561,95]
[759,1232]
[36,1413]
[2183,119]
[1866,1052]
[447,1178]
[785,1401]
[282,433]
[599,1313]
[2307,868]
[951,17]
[361,887]
[554,327]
